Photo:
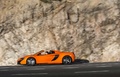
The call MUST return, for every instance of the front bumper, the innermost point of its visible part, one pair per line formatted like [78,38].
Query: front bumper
[19,61]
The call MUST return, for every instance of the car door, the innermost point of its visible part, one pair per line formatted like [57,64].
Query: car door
[47,58]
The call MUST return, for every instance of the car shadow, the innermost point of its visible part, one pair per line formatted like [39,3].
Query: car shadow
[80,61]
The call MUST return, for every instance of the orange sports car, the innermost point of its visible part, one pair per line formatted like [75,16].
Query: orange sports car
[47,57]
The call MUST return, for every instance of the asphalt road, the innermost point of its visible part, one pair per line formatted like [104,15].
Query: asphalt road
[73,70]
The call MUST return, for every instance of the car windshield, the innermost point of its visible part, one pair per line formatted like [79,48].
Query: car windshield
[42,52]
[39,52]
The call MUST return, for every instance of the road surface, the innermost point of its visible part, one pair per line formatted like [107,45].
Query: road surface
[74,70]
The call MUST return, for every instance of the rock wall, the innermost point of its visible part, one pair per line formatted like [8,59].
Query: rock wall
[89,28]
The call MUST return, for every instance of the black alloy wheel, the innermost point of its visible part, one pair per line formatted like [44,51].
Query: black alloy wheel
[31,61]
[66,60]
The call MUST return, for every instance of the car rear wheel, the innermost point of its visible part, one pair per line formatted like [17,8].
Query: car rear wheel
[66,60]
[31,61]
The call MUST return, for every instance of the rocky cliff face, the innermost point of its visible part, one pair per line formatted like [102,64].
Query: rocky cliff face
[90,28]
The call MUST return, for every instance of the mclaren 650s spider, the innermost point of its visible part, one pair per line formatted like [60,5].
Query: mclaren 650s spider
[47,57]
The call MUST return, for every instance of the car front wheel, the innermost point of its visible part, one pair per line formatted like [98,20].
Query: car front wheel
[31,61]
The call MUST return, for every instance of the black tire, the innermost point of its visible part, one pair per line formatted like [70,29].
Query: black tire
[66,60]
[31,61]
